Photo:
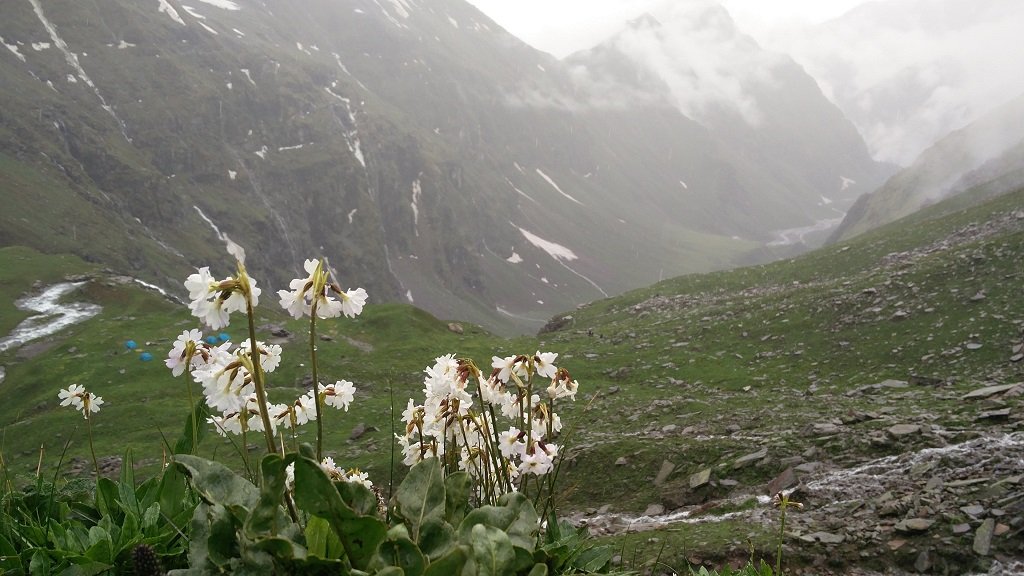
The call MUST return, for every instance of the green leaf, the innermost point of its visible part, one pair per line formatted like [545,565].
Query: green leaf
[106,497]
[316,494]
[539,570]
[316,533]
[514,515]
[492,551]
[360,498]
[172,492]
[456,497]
[421,496]
[40,563]
[216,483]
[437,537]
[268,516]
[594,559]
[199,415]
[9,560]
[451,564]
[151,516]
[404,553]
[390,571]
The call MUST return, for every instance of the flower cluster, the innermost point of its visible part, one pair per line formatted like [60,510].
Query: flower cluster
[334,472]
[212,300]
[76,396]
[456,421]
[317,289]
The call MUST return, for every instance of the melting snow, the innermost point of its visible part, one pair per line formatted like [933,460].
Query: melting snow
[408,296]
[345,70]
[170,11]
[122,45]
[13,48]
[846,182]
[388,15]
[229,85]
[416,191]
[225,4]
[239,32]
[556,251]
[518,167]
[262,152]
[453,22]
[207,28]
[351,135]
[400,7]
[521,193]
[232,174]
[352,213]
[220,235]
[247,75]
[72,59]
[296,147]
[541,68]
[514,258]
[555,186]
[192,12]
[683,184]
[72,79]
[38,46]
[825,201]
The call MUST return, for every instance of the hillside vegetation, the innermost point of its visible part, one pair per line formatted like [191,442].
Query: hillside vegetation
[695,392]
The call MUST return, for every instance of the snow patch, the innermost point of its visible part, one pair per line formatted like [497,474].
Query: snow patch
[13,48]
[352,213]
[514,258]
[846,182]
[555,186]
[518,167]
[262,152]
[408,296]
[825,201]
[208,29]
[453,22]
[40,46]
[166,8]
[416,191]
[223,4]
[556,251]
[345,70]
[72,79]
[228,85]
[192,12]
[285,148]
[239,32]
[247,75]
[683,184]
[521,193]
[351,134]
[216,230]
[232,174]
[541,68]
[122,45]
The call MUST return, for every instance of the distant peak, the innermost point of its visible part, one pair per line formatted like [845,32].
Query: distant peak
[645,20]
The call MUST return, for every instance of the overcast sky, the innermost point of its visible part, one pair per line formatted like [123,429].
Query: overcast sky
[561,27]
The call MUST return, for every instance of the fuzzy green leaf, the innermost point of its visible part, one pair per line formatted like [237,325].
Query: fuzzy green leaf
[421,496]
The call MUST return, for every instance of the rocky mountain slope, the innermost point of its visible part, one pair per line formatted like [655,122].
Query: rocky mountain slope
[991,147]
[428,154]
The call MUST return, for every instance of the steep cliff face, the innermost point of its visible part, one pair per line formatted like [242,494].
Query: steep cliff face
[428,154]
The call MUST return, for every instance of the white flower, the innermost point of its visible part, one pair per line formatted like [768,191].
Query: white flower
[201,284]
[270,354]
[305,409]
[505,366]
[537,463]
[357,477]
[543,363]
[509,443]
[182,348]
[76,396]
[338,395]
[352,302]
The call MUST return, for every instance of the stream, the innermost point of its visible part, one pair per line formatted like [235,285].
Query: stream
[51,315]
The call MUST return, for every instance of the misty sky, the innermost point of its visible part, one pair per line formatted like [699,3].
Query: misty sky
[561,27]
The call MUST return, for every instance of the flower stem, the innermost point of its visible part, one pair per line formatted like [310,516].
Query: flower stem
[192,408]
[316,383]
[257,378]
[95,463]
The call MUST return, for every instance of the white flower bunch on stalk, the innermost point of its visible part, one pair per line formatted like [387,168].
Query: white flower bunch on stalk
[212,300]
[77,397]
[226,378]
[317,287]
[461,404]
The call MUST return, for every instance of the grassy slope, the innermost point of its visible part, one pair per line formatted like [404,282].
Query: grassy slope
[799,333]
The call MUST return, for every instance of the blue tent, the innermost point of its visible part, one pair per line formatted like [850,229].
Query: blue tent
[224,336]
[131,345]
[211,340]
[145,356]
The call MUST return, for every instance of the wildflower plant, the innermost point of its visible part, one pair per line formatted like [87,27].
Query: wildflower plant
[459,422]
[87,403]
